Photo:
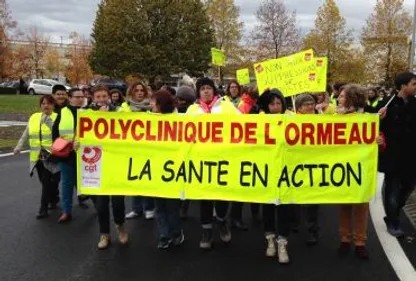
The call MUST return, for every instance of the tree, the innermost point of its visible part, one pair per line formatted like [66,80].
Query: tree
[385,40]
[38,45]
[152,38]
[330,38]
[53,64]
[224,18]
[276,34]
[6,24]
[78,70]
[19,62]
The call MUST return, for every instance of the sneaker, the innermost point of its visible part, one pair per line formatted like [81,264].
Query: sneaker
[43,213]
[206,239]
[123,236]
[394,229]
[361,252]
[64,218]
[313,238]
[104,241]
[132,215]
[344,249]
[282,251]
[178,240]
[271,245]
[149,215]
[239,224]
[164,243]
[225,233]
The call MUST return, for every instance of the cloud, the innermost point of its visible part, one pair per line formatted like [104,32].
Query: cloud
[60,17]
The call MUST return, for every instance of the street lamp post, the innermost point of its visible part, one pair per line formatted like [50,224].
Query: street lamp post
[412,50]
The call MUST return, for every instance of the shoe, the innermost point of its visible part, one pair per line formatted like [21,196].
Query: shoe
[361,252]
[313,238]
[132,215]
[394,229]
[225,233]
[123,236]
[238,224]
[164,243]
[282,251]
[271,245]
[178,240]
[53,206]
[104,242]
[206,239]
[65,218]
[149,215]
[43,213]
[344,249]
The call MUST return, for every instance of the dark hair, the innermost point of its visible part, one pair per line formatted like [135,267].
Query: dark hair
[172,91]
[253,91]
[50,99]
[267,97]
[99,88]
[133,86]
[72,90]
[355,96]
[117,91]
[58,87]
[338,85]
[165,101]
[403,79]
[229,86]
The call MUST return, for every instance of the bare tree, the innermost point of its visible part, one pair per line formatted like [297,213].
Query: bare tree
[6,24]
[38,45]
[276,34]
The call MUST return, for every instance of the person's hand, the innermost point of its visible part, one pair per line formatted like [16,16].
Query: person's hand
[380,140]
[382,112]
[103,108]
[75,146]
[16,151]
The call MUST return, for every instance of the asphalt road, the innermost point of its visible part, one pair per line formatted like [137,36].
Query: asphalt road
[44,250]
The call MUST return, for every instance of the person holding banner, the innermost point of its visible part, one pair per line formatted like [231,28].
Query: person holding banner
[209,102]
[336,88]
[323,104]
[137,100]
[305,104]
[167,210]
[353,218]
[100,102]
[399,128]
[273,102]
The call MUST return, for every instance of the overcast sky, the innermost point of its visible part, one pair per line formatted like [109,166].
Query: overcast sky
[57,18]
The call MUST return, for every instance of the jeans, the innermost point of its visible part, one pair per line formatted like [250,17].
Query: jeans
[206,209]
[167,217]
[283,219]
[397,190]
[353,222]
[68,182]
[50,183]
[141,204]
[102,204]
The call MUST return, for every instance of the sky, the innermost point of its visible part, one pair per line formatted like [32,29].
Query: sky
[57,18]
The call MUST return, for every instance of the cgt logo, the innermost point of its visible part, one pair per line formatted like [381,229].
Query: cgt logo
[90,157]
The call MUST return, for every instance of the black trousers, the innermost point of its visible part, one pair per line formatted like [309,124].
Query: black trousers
[50,185]
[207,207]
[102,204]
[237,210]
[312,216]
[397,190]
[283,219]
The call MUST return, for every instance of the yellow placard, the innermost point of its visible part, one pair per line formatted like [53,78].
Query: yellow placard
[257,158]
[243,76]
[321,74]
[218,57]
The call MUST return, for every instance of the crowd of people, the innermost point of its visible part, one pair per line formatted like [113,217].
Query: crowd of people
[57,118]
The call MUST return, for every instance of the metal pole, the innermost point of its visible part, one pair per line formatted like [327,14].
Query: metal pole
[412,50]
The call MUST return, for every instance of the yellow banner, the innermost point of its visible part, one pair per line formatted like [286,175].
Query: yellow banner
[294,74]
[218,57]
[262,158]
[243,76]
[321,74]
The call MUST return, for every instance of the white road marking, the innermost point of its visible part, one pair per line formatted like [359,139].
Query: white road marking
[394,252]
[11,154]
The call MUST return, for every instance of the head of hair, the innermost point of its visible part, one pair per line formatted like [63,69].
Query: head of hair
[164,101]
[72,90]
[403,79]
[48,98]
[58,87]
[338,85]
[304,98]
[205,81]
[117,91]
[253,91]
[99,88]
[229,87]
[132,88]
[267,98]
[171,90]
[355,96]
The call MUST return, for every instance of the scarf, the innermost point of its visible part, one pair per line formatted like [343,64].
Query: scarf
[207,107]
[141,106]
